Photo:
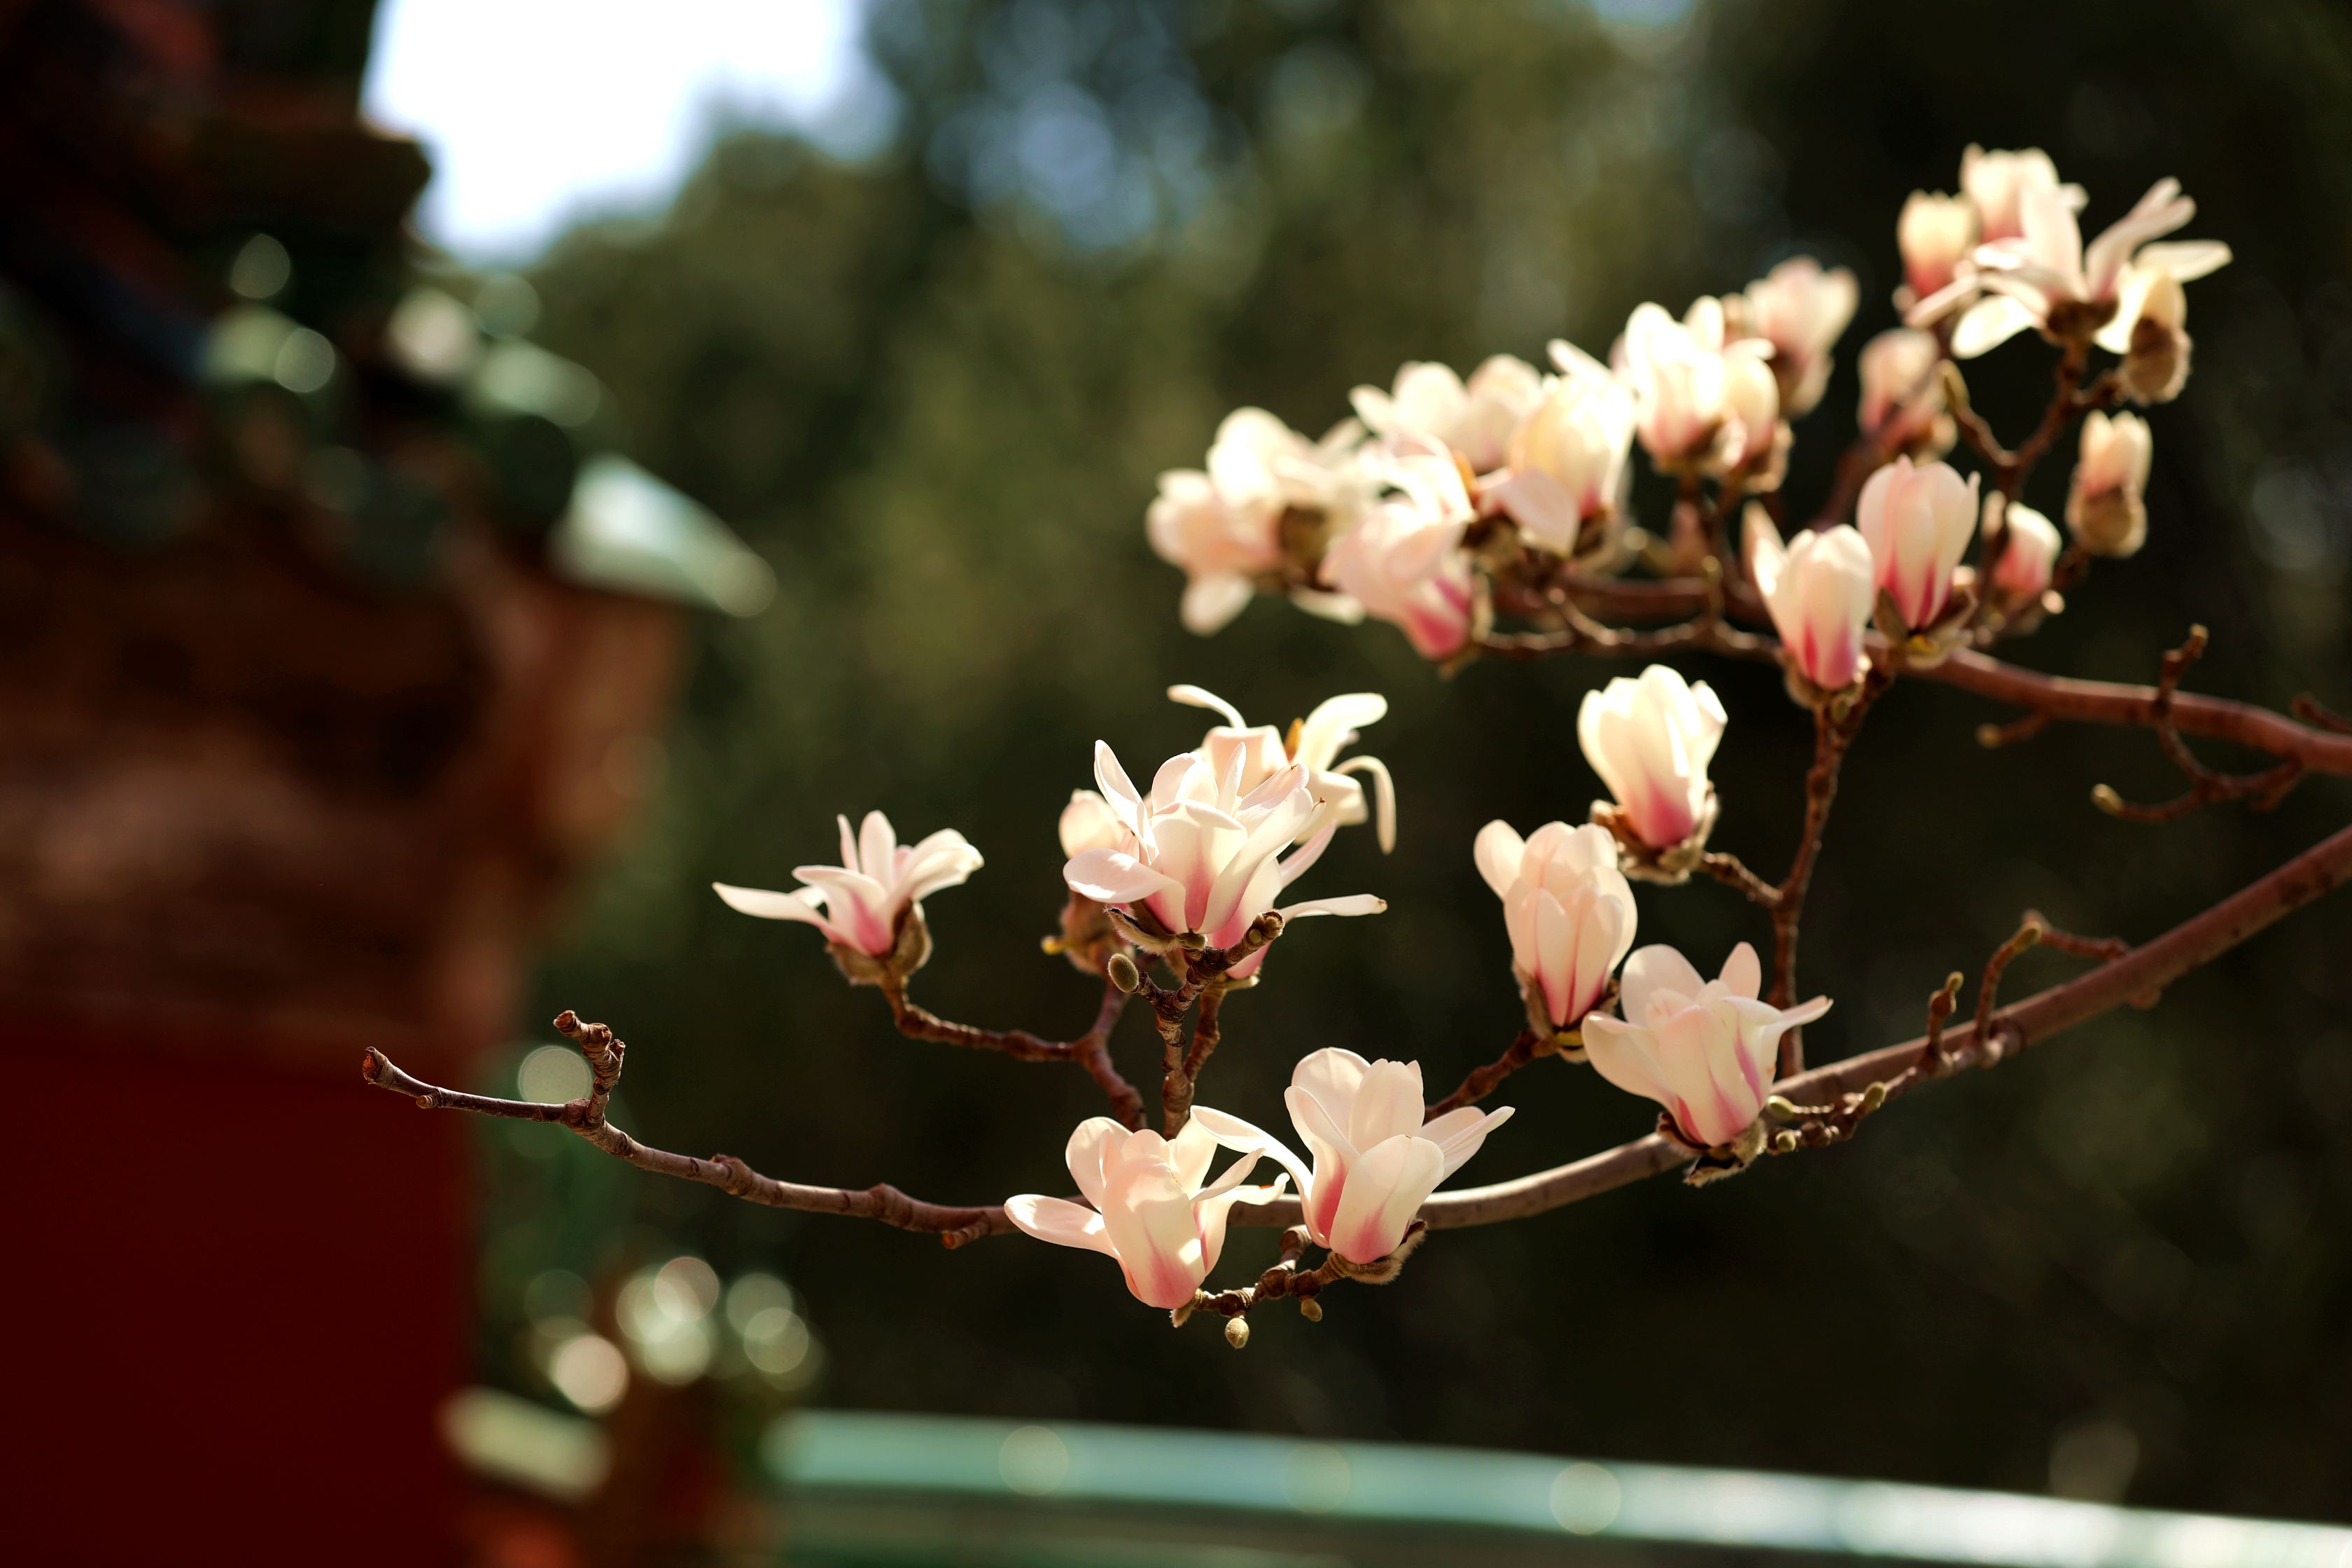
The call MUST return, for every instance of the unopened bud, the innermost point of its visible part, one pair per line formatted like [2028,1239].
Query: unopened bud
[2156,366]
[1122,972]
[1237,1330]
[1784,1142]
[1309,1309]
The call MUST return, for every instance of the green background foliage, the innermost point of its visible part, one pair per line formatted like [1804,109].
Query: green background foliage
[934,389]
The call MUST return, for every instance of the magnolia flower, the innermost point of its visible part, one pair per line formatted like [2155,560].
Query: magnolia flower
[1650,739]
[1151,1209]
[1918,522]
[1314,743]
[1995,184]
[2021,573]
[1819,591]
[2105,508]
[1903,395]
[1705,1050]
[1198,853]
[1696,396]
[857,903]
[1567,461]
[1568,908]
[1802,311]
[1089,823]
[1376,1161]
[2150,331]
[1475,419]
[1404,562]
[2045,277]
[1223,526]
[1936,234]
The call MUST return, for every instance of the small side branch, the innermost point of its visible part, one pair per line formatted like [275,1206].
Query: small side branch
[1483,1082]
[2265,788]
[1090,1050]
[954,1225]
[1833,733]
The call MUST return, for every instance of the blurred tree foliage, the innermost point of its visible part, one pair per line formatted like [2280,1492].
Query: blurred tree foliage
[935,387]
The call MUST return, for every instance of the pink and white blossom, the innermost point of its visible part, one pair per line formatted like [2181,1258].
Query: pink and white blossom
[1819,591]
[1569,910]
[1936,234]
[1903,398]
[1566,465]
[2045,277]
[1199,853]
[1918,522]
[1223,526]
[1995,184]
[1474,418]
[857,903]
[1154,1209]
[2028,558]
[1801,309]
[1699,399]
[1706,1050]
[1375,1160]
[1403,563]
[1314,743]
[1651,739]
[2106,509]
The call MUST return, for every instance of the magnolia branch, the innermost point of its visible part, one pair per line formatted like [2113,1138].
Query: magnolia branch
[2136,975]
[585,1117]
[1090,1050]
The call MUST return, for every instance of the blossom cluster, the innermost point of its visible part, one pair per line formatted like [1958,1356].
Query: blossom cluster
[1437,496]
[1411,511]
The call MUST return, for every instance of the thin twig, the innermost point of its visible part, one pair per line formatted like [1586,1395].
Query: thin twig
[1733,872]
[1090,1050]
[1483,1082]
[954,1225]
[1833,733]
[2265,788]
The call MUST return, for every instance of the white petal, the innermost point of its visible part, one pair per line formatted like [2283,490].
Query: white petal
[1059,1221]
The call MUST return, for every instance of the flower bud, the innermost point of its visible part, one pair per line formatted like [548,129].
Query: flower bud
[2022,573]
[1936,234]
[2156,359]
[1568,908]
[1995,184]
[1819,591]
[1237,1332]
[1650,739]
[1801,310]
[1903,395]
[1918,522]
[2104,506]
[1123,974]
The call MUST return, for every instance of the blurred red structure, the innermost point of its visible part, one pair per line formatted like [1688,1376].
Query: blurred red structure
[304,730]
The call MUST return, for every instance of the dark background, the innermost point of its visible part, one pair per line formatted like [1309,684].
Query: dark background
[934,387]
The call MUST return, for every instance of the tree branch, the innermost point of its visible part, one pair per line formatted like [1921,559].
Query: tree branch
[2110,702]
[954,1225]
[2135,976]
[2140,972]
[1090,1050]
[1483,1082]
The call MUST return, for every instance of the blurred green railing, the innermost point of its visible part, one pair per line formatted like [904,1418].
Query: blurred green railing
[872,1490]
